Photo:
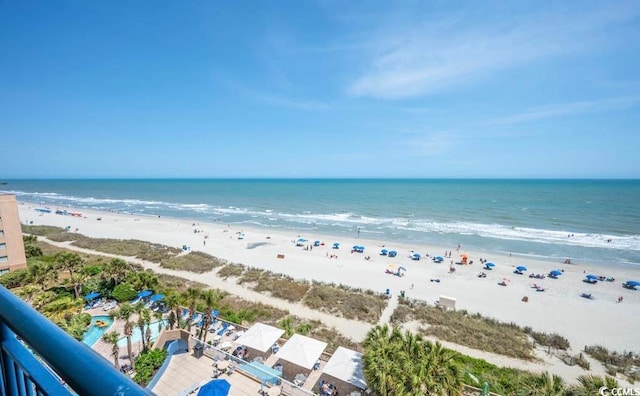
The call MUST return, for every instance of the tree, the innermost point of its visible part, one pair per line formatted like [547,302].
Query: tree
[143,280]
[28,292]
[590,385]
[210,298]
[116,271]
[192,295]
[42,274]
[173,302]
[32,251]
[112,338]
[77,280]
[68,261]
[546,384]
[406,364]
[124,313]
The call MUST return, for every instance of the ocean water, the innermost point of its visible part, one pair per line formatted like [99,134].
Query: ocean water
[596,221]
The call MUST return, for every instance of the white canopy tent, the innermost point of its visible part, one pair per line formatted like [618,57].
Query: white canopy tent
[260,337]
[301,350]
[346,365]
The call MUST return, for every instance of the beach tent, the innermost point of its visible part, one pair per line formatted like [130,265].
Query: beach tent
[416,256]
[302,350]
[521,268]
[216,387]
[260,337]
[336,245]
[157,297]
[91,296]
[145,293]
[384,252]
[346,365]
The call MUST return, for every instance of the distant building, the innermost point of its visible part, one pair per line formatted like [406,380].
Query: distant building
[12,255]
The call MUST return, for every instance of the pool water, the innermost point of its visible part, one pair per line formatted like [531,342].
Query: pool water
[94,333]
[136,337]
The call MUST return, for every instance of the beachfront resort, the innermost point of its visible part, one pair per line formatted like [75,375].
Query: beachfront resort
[192,321]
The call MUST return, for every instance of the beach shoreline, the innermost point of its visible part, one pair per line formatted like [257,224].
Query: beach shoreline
[559,309]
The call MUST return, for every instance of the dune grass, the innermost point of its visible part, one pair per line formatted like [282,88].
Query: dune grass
[346,302]
[231,270]
[197,262]
[471,330]
[626,363]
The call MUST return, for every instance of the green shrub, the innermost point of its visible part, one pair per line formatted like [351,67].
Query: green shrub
[92,270]
[124,292]
[146,365]
[81,319]
[16,278]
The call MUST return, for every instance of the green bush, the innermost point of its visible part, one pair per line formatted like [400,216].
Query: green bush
[124,292]
[81,319]
[146,365]
[92,270]
[16,278]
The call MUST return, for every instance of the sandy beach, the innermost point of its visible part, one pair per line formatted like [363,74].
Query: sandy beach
[559,309]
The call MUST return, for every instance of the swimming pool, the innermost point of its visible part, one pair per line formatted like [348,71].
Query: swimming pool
[94,333]
[122,342]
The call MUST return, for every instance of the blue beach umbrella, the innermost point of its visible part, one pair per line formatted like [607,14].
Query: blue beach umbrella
[217,387]
[301,240]
[633,283]
[145,293]
[593,277]
[416,256]
[521,268]
[157,297]
[384,252]
[489,264]
[555,273]
[438,258]
[316,243]
[393,253]
[336,245]
[91,296]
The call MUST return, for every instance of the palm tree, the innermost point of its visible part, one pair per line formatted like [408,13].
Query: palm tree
[116,271]
[124,313]
[591,385]
[42,273]
[173,302]
[28,292]
[112,338]
[192,295]
[69,261]
[286,324]
[143,280]
[406,364]
[77,280]
[209,299]
[546,384]
[303,328]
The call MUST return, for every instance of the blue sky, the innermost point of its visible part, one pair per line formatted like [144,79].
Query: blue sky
[320,89]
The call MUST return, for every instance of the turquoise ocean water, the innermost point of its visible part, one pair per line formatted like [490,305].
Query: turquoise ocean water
[525,217]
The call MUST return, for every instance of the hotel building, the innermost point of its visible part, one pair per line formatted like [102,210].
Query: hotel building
[12,255]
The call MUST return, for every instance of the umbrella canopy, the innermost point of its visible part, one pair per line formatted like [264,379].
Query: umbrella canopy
[145,293]
[416,255]
[393,253]
[157,297]
[217,387]
[439,258]
[302,350]
[346,365]
[260,336]
[301,240]
[336,245]
[384,252]
[555,273]
[593,277]
[521,268]
[490,265]
[633,283]
[91,296]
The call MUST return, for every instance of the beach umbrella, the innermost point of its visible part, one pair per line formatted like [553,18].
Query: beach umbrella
[393,253]
[301,240]
[336,245]
[216,387]
[521,268]
[145,293]
[157,297]
[316,243]
[633,283]
[490,265]
[593,277]
[384,252]
[438,258]
[416,256]
[91,296]
[555,273]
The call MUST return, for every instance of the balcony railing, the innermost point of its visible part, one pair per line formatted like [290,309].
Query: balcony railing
[38,358]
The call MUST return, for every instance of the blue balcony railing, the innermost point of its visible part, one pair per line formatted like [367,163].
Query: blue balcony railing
[38,358]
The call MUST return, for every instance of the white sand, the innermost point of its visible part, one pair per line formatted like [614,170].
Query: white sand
[560,309]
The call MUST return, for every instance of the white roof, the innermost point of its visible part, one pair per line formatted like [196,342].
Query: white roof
[346,365]
[260,336]
[301,350]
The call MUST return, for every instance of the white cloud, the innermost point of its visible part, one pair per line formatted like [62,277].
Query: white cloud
[433,57]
